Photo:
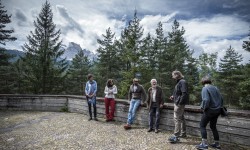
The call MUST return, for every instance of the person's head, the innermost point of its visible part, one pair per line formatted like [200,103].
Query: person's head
[90,77]
[177,75]
[135,81]
[153,82]
[206,80]
[110,83]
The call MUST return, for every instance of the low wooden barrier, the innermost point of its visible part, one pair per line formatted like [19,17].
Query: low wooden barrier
[232,129]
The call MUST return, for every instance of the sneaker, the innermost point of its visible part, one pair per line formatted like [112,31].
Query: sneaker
[173,139]
[150,130]
[201,146]
[215,145]
[90,119]
[156,130]
[127,126]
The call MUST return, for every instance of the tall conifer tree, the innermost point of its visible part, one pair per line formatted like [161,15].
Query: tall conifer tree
[45,68]
[230,76]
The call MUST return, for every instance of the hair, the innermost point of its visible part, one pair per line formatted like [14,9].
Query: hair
[206,80]
[89,76]
[152,80]
[178,74]
[109,82]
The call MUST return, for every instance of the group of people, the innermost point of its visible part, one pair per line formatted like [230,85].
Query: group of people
[154,99]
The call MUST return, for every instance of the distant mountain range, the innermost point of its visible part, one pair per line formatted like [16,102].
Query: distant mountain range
[69,53]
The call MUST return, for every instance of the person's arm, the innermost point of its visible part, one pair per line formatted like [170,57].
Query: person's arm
[148,98]
[115,90]
[86,89]
[184,93]
[106,90]
[205,99]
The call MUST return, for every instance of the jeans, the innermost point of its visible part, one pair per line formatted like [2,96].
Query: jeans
[134,104]
[179,119]
[91,101]
[154,109]
[109,103]
[209,116]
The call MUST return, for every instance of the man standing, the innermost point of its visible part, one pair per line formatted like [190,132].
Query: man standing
[135,96]
[90,92]
[154,103]
[180,97]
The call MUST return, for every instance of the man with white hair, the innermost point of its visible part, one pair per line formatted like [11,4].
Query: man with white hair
[155,101]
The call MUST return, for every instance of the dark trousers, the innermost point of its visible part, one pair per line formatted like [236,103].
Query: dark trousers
[109,108]
[212,117]
[154,110]
[91,102]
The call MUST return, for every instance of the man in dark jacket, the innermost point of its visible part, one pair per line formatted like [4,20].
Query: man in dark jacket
[136,96]
[154,103]
[181,98]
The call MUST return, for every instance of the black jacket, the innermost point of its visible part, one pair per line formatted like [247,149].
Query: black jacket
[181,96]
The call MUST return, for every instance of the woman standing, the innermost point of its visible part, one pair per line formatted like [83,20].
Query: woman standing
[110,91]
[211,104]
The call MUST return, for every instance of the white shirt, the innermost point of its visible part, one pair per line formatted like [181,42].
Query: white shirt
[110,91]
[153,94]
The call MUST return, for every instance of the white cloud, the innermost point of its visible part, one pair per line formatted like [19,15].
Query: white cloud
[216,34]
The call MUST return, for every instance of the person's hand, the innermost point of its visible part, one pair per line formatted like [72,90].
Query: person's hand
[161,106]
[171,97]
[90,96]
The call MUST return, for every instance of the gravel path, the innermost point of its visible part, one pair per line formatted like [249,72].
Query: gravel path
[22,130]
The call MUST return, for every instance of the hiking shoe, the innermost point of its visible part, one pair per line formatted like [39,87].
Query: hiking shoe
[150,130]
[127,126]
[201,146]
[173,139]
[156,130]
[215,145]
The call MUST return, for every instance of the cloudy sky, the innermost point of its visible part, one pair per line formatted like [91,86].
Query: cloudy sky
[211,25]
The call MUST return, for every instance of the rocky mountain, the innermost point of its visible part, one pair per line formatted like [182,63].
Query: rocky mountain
[69,53]
[73,49]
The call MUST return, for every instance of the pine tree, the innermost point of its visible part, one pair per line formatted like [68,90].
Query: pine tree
[245,83]
[77,74]
[6,72]
[179,56]
[130,53]
[45,69]
[230,76]
[107,56]
[177,47]
[246,44]
[161,55]
[5,34]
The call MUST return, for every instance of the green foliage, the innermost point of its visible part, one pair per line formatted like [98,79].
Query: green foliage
[5,34]
[7,74]
[44,69]
[230,76]
[77,74]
